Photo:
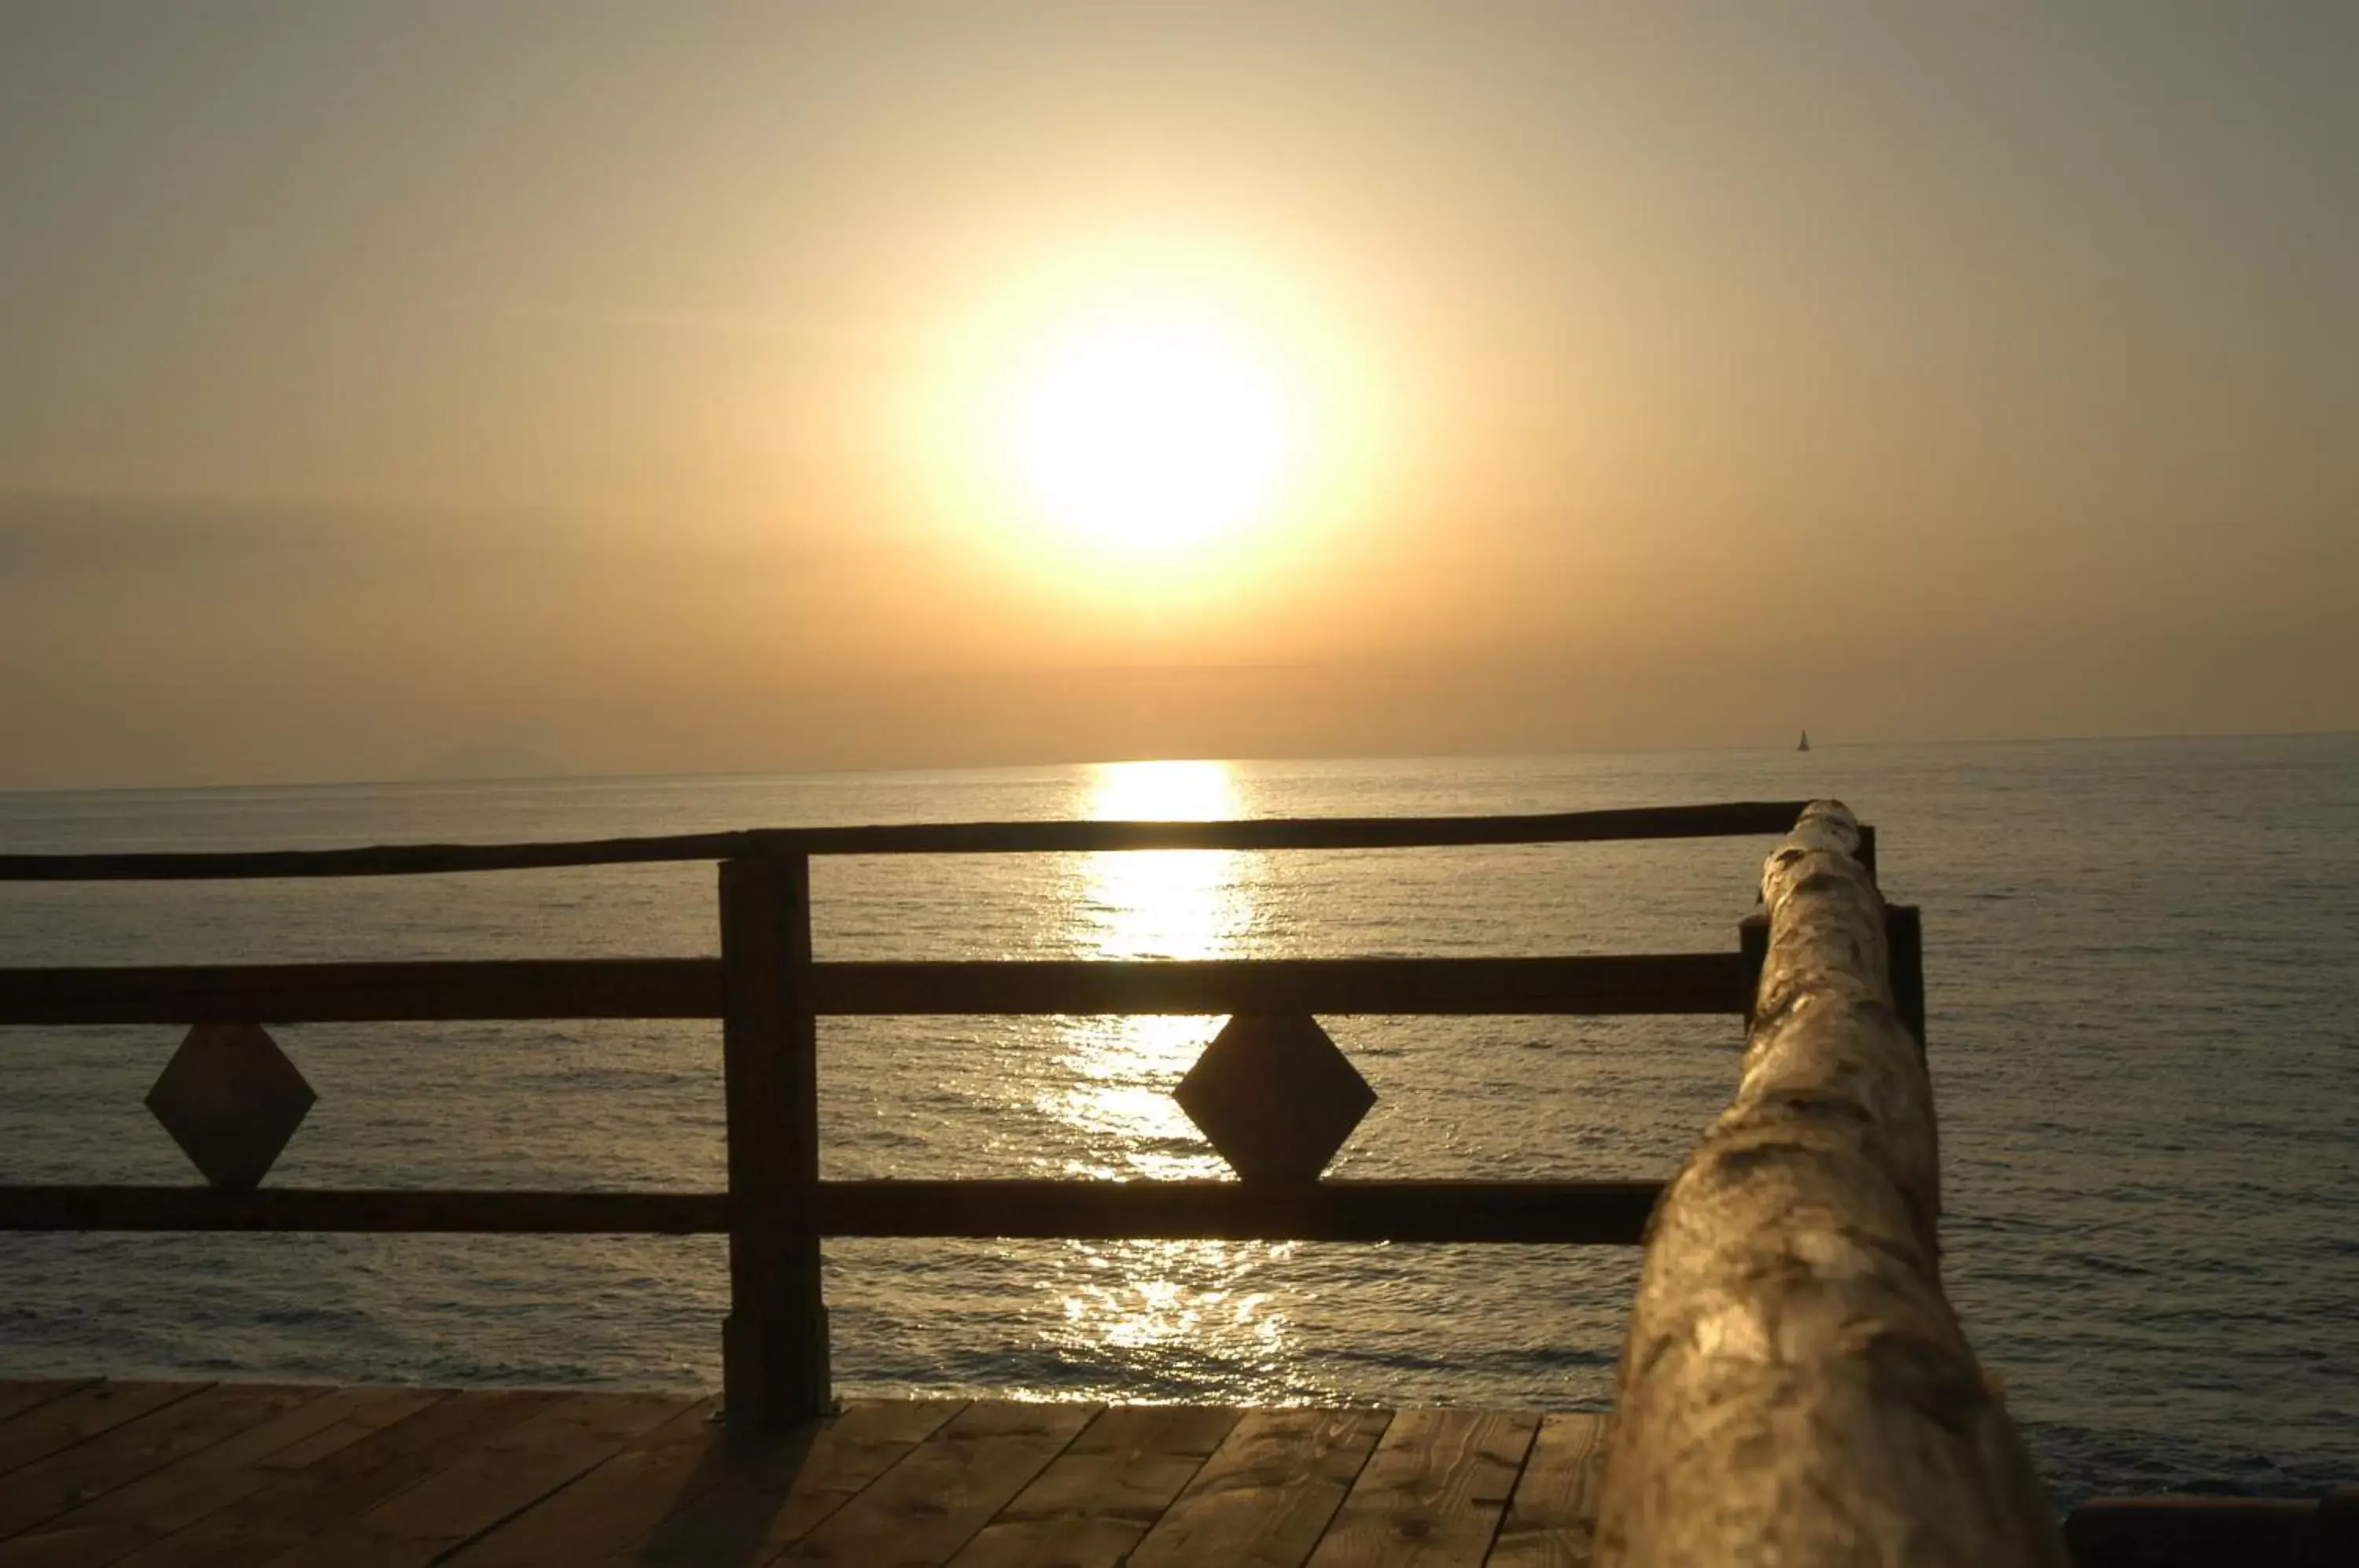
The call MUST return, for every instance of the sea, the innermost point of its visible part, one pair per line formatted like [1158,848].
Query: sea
[2142,962]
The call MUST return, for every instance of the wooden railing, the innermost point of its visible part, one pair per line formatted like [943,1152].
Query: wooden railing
[770,994]
[1796,1388]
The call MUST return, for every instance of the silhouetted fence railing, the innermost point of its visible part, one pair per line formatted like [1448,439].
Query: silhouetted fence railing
[1272,1093]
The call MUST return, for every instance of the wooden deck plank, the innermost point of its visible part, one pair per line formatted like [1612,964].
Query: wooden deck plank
[1432,1493]
[62,1423]
[356,1414]
[201,1483]
[773,1489]
[498,1478]
[203,1475]
[1267,1493]
[1095,1501]
[335,1486]
[920,1513]
[96,1465]
[623,1498]
[17,1396]
[1552,1520]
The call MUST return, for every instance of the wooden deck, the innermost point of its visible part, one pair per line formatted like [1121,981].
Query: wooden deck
[186,1474]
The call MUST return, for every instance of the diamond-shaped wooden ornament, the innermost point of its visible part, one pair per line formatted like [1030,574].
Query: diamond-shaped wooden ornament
[1275,1096]
[231,1100]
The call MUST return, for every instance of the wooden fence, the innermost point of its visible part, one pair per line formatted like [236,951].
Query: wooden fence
[769,995]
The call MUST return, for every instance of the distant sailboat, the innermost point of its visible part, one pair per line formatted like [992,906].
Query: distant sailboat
[1806,742]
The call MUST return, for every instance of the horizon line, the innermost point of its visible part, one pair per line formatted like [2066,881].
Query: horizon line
[559,776]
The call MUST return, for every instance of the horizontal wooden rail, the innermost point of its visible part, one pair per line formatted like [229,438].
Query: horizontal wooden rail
[1572,1211]
[1608,1213]
[494,1212]
[1729,819]
[691,988]
[2188,1531]
[429,991]
[1615,984]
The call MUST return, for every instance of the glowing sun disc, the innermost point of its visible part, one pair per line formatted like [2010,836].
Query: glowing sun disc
[1149,436]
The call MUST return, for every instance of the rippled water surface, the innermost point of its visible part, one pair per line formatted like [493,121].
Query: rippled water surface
[2143,961]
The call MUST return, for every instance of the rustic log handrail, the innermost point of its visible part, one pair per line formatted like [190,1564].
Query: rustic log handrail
[1796,1388]
[1732,819]
[769,993]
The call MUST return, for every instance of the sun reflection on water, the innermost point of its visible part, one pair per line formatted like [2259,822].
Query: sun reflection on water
[1175,1304]
[1171,903]
[1149,904]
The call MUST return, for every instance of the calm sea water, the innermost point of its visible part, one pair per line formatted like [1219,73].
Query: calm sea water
[2143,961]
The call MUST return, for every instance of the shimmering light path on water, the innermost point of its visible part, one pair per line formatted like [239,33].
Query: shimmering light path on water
[2143,961]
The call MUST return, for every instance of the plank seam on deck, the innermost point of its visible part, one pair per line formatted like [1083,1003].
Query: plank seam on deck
[65,1387]
[571,1399]
[258,1466]
[189,1391]
[167,1460]
[1003,1516]
[862,1490]
[993,1518]
[1378,1451]
[568,1484]
[445,1454]
[1345,1497]
[456,1547]
[1347,1485]
[967,1539]
[1515,1485]
[468,1443]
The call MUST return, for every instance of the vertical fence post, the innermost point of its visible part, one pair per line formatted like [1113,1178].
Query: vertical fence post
[773,1345]
[1753,947]
[1904,946]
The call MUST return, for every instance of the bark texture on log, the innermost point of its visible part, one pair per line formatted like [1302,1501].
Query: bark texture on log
[1796,1389]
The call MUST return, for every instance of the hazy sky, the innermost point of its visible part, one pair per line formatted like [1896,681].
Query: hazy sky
[626,382]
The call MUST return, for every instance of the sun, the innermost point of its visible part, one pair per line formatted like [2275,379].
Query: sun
[1150,434]
[1149,429]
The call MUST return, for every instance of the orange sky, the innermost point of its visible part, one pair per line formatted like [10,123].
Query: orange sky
[620,382]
